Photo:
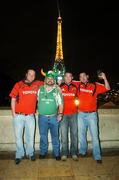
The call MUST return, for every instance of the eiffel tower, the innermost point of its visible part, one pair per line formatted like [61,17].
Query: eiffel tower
[59,67]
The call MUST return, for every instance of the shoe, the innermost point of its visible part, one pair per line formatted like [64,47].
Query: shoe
[74,157]
[32,158]
[42,156]
[17,160]
[64,158]
[82,155]
[58,158]
[99,161]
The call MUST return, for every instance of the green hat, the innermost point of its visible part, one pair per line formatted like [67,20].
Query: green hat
[50,74]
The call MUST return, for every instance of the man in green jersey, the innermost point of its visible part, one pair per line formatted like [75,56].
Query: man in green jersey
[50,110]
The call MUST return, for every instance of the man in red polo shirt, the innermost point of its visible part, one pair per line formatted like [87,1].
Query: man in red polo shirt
[87,115]
[23,105]
[69,91]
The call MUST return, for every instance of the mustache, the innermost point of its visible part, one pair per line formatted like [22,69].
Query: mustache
[50,81]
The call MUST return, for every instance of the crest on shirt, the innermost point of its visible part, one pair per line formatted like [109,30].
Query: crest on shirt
[35,87]
[73,88]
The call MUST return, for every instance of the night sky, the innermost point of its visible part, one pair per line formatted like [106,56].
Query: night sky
[28,38]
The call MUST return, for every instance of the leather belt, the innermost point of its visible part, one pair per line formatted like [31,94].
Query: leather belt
[88,111]
[22,113]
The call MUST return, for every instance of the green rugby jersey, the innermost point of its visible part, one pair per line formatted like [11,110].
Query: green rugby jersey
[48,102]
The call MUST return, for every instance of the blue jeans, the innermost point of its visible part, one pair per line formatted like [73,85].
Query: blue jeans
[20,122]
[88,120]
[69,121]
[45,123]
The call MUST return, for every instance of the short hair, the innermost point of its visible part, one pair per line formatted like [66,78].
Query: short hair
[83,72]
[68,72]
[30,69]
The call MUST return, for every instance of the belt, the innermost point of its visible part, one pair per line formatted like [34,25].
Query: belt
[22,113]
[49,115]
[88,111]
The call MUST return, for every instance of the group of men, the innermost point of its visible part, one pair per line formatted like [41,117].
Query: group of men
[59,112]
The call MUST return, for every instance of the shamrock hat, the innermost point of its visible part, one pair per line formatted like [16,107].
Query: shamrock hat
[50,74]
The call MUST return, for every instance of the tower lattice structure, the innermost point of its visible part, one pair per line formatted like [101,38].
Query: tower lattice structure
[59,67]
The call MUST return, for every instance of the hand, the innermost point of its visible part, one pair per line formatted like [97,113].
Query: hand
[59,117]
[102,76]
[14,114]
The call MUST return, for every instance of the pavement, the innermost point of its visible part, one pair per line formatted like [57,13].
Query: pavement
[85,168]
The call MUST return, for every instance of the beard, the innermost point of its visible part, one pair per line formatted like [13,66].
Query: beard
[50,83]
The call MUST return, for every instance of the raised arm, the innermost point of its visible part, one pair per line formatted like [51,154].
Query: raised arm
[106,83]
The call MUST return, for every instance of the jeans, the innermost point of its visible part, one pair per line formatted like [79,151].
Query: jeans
[45,123]
[88,120]
[69,121]
[20,122]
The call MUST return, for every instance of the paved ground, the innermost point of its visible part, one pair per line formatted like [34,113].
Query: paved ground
[50,169]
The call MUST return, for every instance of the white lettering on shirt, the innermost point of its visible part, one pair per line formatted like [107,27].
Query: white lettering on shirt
[68,94]
[29,92]
[86,90]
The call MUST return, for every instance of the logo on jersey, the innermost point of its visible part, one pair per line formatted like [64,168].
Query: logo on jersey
[68,94]
[29,92]
[86,90]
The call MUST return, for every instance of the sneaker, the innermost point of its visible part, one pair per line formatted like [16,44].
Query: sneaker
[58,158]
[64,158]
[74,157]
[42,156]
[99,161]
[82,155]
[32,158]
[17,160]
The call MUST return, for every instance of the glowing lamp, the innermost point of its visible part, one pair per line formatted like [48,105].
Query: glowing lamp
[76,102]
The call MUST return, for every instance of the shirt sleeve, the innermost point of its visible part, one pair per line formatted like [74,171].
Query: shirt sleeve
[100,88]
[15,91]
[59,98]
[40,83]
[38,94]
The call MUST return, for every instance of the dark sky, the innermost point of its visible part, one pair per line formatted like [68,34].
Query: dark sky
[90,37]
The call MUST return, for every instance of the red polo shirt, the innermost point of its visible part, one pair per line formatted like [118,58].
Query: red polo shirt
[69,93]
[26,96]
[87,96]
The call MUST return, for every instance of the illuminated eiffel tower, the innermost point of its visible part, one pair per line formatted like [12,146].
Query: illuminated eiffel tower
[59,67]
